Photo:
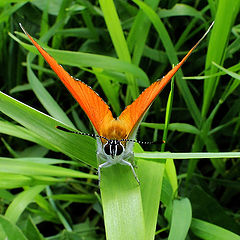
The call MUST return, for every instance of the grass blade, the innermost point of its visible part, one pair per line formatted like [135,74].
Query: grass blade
[225,17]
[181,219]
[209,231]
[18,205]
[122,205]
[9,230]
[76,146]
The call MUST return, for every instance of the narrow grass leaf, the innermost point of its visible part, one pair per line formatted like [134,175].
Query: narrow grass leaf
[158,155]
[180,127]
[111,91]
[139,32]
[12,232]
[10,10]
[118,39]
[80,198]
[150,176]
[180,9]
[44,97]
[171,174]
[79,59]
[208,231]
[181,219]
[227,71]
[21,201]
[9,181]
[8,165]
[167,43]
[23,133]
[168,115]
[76,146]
[32,231]
[225,17]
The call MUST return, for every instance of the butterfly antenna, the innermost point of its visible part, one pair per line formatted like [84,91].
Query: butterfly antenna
[136,141]
[80,133]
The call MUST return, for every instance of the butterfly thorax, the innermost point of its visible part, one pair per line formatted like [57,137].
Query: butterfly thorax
[113,130]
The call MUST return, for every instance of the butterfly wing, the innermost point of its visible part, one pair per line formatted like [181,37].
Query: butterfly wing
[134,113]
[95,108]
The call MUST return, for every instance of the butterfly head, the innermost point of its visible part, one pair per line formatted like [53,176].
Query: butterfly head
[113,148]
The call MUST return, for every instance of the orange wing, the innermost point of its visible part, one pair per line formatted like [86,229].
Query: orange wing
[134,113]
[95,108]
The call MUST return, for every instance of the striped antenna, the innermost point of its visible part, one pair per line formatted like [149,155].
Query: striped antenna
[97,136]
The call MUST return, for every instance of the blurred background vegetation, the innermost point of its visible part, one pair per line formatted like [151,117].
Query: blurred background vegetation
[205,113]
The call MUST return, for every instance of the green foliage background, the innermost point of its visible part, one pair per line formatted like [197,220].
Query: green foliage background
[189,185]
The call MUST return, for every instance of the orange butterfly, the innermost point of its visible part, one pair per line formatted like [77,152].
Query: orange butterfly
[115,136]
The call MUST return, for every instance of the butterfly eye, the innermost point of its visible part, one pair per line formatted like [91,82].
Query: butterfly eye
[113,148]
[119,148]
[107,148]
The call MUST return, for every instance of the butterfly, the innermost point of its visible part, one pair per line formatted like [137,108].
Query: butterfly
[115,136]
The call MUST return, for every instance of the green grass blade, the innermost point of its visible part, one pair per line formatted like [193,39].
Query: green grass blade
[111,91]
[44,97]
[76,146]
[208,231]
[23,133]
[181,219]
[139,32]
[19,204]
[10,10]
[32,231]
[118,39]
[150,176]
[79,59]
[122,204]
[180,127]
[30,169]
[180,9]
[168,115]
[225,17]
[9,230]
[167,43]
[158,155]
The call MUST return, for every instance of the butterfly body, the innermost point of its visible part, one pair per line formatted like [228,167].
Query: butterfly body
[115,137]
[114,129]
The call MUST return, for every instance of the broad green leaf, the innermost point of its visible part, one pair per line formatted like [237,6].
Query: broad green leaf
[122,204]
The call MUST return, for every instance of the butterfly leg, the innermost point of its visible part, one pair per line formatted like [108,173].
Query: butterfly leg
[103,165]
[123,162]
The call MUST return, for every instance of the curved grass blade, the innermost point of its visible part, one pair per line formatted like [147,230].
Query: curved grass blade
[75,146]
[181,219]
[209,231]
[18,205]
[10,230]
